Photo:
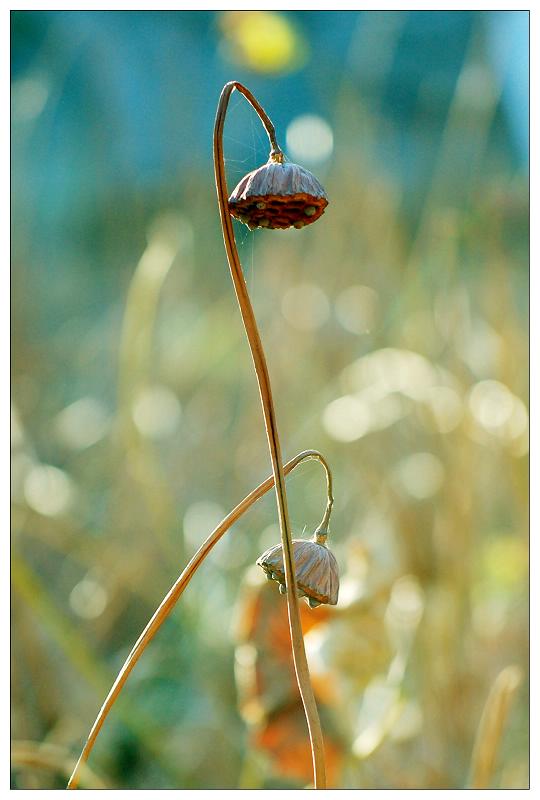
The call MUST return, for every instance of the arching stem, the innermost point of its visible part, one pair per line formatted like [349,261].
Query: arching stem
[174,593]
[263,379]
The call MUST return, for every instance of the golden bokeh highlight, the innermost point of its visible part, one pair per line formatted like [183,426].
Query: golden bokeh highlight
[264,41]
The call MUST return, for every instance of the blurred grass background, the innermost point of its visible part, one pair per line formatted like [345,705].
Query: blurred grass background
[397,339]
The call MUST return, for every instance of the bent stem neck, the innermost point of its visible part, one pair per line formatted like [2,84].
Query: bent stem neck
[263,379]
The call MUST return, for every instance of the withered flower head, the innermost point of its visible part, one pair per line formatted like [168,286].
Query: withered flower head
[278,195]
[317,574]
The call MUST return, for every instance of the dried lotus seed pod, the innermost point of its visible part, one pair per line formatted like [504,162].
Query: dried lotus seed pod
[317,574]
[278,195]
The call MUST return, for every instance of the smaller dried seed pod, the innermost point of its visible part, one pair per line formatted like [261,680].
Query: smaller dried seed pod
[278,195]
[317,574]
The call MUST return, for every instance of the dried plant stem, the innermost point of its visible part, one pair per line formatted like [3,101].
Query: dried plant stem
[171,598]
[263,379]
[490,729]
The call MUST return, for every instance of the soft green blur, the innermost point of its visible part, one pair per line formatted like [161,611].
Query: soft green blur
[396,332]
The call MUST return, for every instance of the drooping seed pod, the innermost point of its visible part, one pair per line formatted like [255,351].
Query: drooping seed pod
[317,574]
[278,195]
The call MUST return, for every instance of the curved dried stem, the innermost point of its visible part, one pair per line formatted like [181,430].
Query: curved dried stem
[263,379]
[174,593]
[276,153]
[323,527]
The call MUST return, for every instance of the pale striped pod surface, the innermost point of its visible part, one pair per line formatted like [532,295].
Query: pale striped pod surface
[317,573]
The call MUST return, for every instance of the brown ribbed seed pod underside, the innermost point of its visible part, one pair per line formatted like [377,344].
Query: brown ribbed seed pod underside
[278,195]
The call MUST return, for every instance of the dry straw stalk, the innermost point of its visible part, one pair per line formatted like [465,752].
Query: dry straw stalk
[263,379]
[491,727]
